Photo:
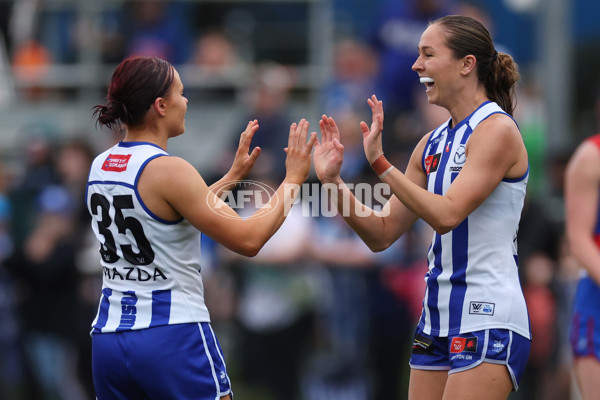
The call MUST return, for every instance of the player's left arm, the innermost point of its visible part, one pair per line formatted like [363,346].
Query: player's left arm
[494,151]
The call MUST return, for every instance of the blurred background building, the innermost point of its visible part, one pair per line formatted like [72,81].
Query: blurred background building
[331,319]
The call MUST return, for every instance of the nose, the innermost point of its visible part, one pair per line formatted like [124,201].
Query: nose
[417,65]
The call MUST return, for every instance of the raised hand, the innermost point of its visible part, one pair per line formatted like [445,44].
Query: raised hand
[297,163]
[372,137]
[243,162]
[329,154]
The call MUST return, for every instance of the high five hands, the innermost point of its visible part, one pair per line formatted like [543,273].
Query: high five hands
[329,153]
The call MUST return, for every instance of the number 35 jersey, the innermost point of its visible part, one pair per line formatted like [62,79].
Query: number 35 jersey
[151,267]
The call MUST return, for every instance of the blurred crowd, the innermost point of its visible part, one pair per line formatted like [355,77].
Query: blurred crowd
[315,315]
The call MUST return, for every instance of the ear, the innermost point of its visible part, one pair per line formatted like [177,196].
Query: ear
[468,65]
[159,106]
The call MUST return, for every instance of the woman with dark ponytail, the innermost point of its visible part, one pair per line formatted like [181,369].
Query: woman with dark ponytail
[152,338]
[467,179]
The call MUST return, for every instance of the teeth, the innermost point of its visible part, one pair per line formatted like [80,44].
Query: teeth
[426,79]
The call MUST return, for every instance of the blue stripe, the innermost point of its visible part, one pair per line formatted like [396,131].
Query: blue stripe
[128,311]
[437,133]
[458,279]
[161,307]
[127,185]
[133,144]
[137,194]
[432,283]
[103,311]
[433,286]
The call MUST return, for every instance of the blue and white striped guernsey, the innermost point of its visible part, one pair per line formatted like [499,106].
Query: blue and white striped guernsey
[151,266]
[473,281]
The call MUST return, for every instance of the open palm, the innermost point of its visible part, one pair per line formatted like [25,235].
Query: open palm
[372,137]
[329,153]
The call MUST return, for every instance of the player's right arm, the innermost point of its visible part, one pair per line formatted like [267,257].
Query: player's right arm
[582,180]
[172,188]
[378,230]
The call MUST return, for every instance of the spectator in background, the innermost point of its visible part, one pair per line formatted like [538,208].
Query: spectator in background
[47,282]
[582,197]
[267,99]
[38,173]
[354,74]
[339,368]
[218,66]
[216,55]
[73,161]
[11,362]
[397,29]
[539,291]
[276,308]
[159,29]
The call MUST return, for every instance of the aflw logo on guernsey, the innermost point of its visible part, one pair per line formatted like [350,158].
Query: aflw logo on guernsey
[116,162]
[481,308]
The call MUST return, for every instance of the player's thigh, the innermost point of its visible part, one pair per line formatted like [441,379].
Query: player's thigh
[587,371]
[426,384]
[486,381]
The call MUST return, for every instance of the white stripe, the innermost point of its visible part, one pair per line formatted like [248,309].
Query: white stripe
[512,373]
[212,366]
[482,113]
[220,354]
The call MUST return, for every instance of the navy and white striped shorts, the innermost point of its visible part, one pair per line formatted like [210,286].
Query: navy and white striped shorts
[467,350]
[182,362]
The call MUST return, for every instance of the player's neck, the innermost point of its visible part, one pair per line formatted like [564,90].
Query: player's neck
[146,134]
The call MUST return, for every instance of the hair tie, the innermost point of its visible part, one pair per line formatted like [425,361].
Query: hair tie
[495,56]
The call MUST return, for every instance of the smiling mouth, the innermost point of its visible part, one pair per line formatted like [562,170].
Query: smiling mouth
[427,81]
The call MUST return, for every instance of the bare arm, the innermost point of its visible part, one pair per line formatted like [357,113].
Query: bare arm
[582,181]
[495,151]
[172,188]
[377,229]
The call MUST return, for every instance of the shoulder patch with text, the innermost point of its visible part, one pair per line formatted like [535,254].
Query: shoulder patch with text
[116,162]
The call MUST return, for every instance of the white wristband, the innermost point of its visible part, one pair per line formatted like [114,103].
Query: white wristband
[384,173]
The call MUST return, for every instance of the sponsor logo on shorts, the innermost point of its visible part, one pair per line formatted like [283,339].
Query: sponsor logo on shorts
[498,346]
[481,308]
[460,344]
[422,345]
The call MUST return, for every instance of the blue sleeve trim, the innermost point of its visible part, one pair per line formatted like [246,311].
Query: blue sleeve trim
[137,194]
[512,180]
